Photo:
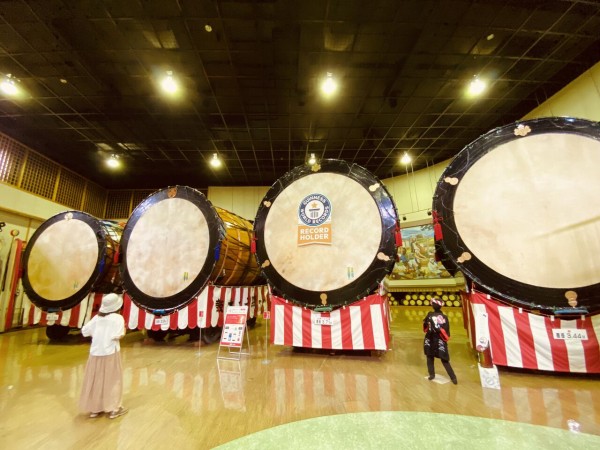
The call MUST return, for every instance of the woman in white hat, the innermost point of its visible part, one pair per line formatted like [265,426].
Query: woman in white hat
[102,390]
[437,335]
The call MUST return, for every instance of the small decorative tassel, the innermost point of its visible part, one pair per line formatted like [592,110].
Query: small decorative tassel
[116,257]
[437,226]
[253,244]
[398,236]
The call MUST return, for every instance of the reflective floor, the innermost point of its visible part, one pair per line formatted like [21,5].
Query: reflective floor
[180,397]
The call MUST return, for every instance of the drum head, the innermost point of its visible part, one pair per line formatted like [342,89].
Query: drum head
[168,248]
[519,213]
[326,236]
[63,259]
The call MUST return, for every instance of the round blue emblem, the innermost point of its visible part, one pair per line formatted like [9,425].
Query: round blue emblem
[314,210]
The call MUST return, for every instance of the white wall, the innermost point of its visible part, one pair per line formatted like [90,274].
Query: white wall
[24,213]
[580,99]
[243,201]
[413,192]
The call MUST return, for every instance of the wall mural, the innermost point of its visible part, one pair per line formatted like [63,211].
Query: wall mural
[416,257]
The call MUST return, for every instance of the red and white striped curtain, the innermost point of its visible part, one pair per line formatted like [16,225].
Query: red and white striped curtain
[525,340]
[362,325]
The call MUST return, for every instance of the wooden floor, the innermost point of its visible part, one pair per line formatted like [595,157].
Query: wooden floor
[180,398]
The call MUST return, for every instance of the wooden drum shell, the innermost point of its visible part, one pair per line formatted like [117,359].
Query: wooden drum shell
[176,242]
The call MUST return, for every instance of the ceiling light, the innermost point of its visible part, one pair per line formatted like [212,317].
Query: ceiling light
[312,160]
[215,161]
[169,84]
[113,162]
[406,159]
[8,85]
[329,85]
[208,28]
[477,86]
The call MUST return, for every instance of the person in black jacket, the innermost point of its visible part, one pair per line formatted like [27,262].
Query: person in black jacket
[437,335]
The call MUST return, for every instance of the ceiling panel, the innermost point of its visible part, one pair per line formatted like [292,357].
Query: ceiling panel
[250,85]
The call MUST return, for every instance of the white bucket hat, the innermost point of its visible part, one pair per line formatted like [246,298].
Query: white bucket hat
[111,303]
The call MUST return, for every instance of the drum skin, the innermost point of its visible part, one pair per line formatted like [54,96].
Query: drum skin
[176,242]
[518,209]
[70,255]
[325,234]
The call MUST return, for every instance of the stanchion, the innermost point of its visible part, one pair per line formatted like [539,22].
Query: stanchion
[199,352]
[200,323]
[266,317]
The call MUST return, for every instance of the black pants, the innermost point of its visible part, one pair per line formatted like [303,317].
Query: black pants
[446,364]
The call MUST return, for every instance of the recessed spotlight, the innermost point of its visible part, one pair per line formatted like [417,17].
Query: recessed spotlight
[63,81]
[208,28]
[406,159]
[9,86]
[169,84]
[215,161]
[490,36]
[113,162]
[477,86]
[329,85]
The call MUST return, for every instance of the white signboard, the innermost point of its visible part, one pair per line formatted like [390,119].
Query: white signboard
[570,334]
[234,326]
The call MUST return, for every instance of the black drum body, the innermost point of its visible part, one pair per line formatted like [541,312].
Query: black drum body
[325,234]
[176,242]
[520,214]
[70,255]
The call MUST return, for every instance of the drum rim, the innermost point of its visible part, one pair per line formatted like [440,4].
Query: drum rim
[73,300]
[517,293]
[361,286]
[160,306]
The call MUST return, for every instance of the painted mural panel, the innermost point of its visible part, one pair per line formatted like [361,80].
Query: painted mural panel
[416,257]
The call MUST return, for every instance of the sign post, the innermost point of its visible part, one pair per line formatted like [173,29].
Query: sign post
[234,329]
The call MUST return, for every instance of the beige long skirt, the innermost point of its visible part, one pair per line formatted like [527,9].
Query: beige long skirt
[102,389]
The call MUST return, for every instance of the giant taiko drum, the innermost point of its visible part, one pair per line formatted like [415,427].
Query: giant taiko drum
[70,255]
[176,242]
[519,210]
[326,234]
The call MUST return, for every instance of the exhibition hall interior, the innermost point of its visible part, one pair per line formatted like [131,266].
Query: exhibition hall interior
[303,224]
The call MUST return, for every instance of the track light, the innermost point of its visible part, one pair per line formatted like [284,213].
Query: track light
[215,161]
[113,162]
[406,159]
[312,160]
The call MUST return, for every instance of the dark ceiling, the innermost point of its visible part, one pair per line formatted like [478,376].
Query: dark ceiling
[251,84]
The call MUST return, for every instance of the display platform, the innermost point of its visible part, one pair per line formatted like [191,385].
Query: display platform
[362,325]
[521,339]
